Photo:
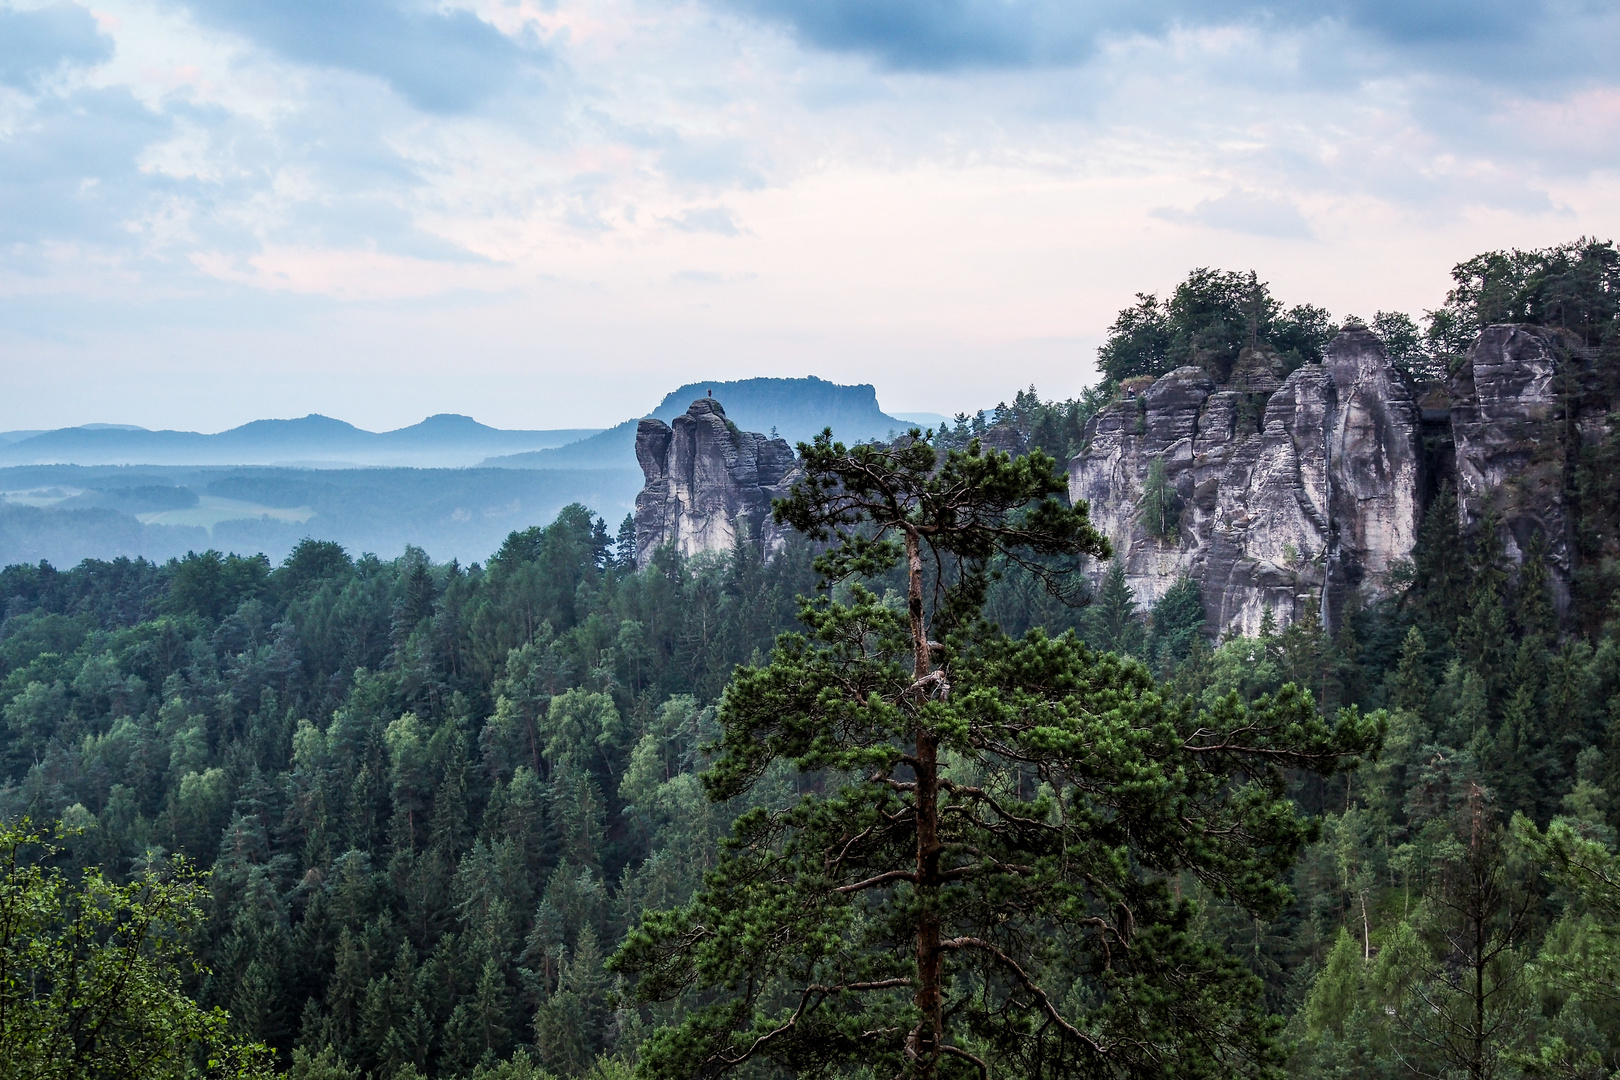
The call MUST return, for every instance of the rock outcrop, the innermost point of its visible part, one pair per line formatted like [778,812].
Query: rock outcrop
[708,483]
[1288,493]
[1515,424]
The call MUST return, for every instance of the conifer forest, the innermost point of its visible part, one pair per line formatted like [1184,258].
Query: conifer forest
[912,796]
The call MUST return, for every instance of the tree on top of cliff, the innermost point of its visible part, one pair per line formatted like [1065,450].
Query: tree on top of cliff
[974,878]
[1028,423]
[1207,321]
[1574,286]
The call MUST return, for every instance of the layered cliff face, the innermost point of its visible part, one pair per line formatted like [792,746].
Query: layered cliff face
[1287,493]
[708,483]
[1523,403]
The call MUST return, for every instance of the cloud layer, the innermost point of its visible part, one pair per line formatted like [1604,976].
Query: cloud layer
[438,61]
[39,42]
[214,209]
[951,35]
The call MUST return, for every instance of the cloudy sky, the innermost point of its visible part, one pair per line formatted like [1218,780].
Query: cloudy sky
[546,213]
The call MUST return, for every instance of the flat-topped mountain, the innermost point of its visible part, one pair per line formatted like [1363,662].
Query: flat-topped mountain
[795,410]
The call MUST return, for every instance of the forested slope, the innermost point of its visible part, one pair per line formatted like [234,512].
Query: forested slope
[434,796]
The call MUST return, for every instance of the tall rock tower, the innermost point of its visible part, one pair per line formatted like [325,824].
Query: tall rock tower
[708,483]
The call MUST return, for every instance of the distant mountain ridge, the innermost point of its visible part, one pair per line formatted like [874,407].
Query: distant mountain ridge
[443,440]
[796,409]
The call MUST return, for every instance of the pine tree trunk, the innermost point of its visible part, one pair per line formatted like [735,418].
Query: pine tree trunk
[930,1029]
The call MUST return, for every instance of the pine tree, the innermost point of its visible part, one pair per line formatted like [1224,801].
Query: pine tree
[624,546]
[1159,512]
[965,880]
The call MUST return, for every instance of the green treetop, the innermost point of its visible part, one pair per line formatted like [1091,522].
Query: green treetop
[976,874]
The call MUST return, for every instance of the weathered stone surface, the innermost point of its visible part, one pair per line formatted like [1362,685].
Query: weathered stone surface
[1375,446]
[1124,439]
[707,483]
[1289,495]
[1507,420]
[1258,370]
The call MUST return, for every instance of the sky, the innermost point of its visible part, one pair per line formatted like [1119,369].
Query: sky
[547,213]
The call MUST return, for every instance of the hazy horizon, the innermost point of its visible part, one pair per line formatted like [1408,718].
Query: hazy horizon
[120,424]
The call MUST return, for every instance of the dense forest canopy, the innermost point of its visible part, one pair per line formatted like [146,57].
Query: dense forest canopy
[435,798]
[1206,321]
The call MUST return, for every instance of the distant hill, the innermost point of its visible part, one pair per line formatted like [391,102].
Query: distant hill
[64,513]
[797,409]
[106,490]
[443,441]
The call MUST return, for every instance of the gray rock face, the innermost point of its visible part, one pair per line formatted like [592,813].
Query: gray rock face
[1289,493]
[708,483]
[1375,451]
[1293,493]
[1508,420]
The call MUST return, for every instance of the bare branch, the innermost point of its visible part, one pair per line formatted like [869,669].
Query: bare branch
[881,879]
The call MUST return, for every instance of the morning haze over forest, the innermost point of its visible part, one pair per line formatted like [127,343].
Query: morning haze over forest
[764,539]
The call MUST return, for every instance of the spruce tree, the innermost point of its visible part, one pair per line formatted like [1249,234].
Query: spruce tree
[1440,576]
[1178,622]
[1160,509]
[1413,685]
[1113,624]
[974,875]
[624,546]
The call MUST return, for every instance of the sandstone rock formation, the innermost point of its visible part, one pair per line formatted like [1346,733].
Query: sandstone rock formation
[1513,441]
[1290,493]
[708,483]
